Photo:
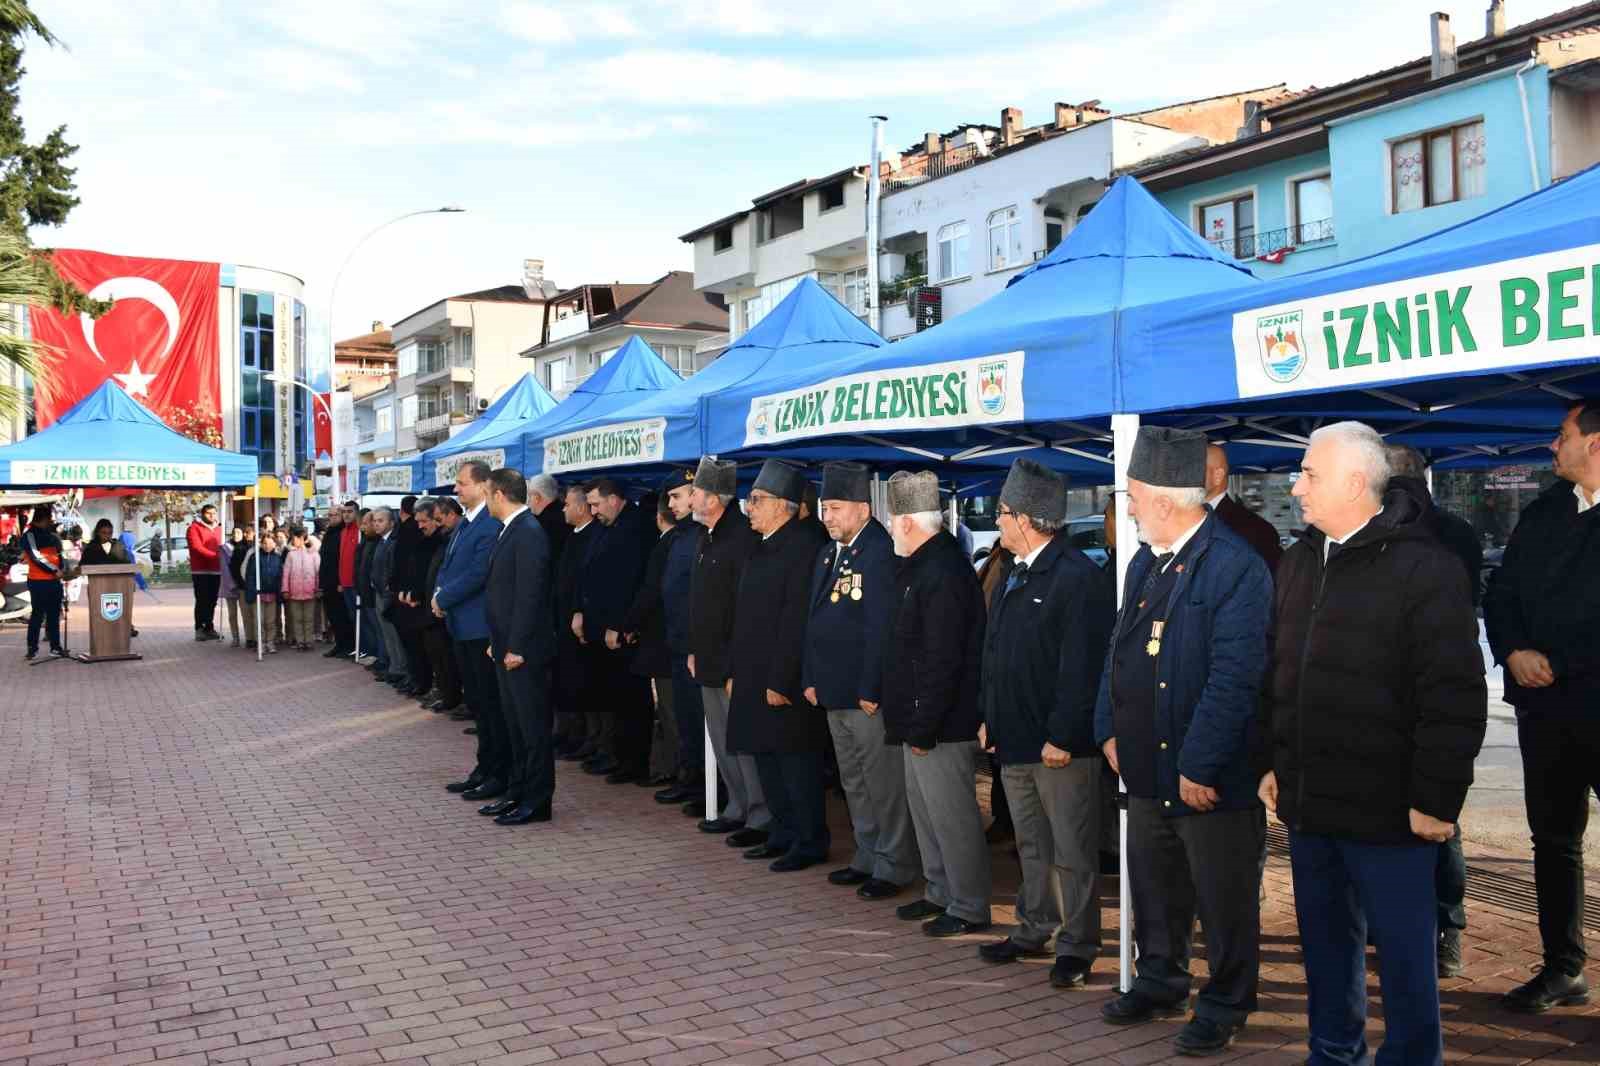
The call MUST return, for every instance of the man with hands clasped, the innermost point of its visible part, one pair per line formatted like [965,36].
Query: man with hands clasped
[1376,710]
[1043,648]
[1175,716]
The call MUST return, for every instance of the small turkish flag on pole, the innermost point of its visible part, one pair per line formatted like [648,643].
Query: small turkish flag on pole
[323,442]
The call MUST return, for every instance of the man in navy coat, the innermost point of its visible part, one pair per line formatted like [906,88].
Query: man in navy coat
[521,646]
[460,600]
[1176,716]
[852,596]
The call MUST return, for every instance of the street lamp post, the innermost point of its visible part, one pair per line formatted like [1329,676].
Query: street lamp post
[279,379]
[333,295]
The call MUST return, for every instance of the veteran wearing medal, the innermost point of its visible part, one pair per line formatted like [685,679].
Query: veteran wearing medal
[1043,652]
[768,717]
[1176,717]
[852,590]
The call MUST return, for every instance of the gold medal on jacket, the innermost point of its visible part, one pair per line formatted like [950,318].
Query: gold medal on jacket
[1152,647]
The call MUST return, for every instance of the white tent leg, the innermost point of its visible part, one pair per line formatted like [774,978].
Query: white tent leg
[1123,430]
[260,651]
[713,812]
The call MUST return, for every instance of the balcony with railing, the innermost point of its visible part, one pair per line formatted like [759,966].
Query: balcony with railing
[947,162]
[1269,242]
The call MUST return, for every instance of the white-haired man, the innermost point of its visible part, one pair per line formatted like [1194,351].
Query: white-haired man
[929,702]
[1376,710]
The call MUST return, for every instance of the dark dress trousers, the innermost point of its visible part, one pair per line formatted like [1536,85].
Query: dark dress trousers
[572,658]
[789,742]
[520,623]
[611,576]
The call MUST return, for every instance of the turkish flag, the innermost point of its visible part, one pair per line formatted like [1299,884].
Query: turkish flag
[159,341]
[323,441]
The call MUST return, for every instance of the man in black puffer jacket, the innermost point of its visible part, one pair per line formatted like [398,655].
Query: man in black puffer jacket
[1377,707]
[1543,613]
[930,706]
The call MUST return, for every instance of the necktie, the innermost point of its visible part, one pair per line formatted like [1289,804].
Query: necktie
[1018,572]
[1156,570]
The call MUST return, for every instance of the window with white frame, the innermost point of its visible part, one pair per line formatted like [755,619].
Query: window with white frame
[1231,225]
[408,411]
[754,308]
[385,419]
[952,251]
[849,287]
[555,375]
[1440,167]
[408,360]
[1005,238]
[1313,209]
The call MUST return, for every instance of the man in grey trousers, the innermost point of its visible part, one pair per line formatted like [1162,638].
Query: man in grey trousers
[1043,650]
[725,547]
[852,596]
[929,705]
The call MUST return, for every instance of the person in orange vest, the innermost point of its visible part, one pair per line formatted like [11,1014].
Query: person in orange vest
[41,549]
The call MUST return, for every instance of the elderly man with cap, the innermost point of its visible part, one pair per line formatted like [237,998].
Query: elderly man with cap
[724,550]
[930,706]
[768,716]
[676,576]
[1176,718]
[852,593]
[1043,648]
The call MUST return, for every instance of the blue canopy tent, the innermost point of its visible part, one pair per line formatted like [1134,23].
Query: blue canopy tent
[1467,343]
[628,378]
[110,440]
[1006,378]
[523,402]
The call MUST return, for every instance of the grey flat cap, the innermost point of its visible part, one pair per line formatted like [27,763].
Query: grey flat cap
[1169,458]
[913,493]
[1035,490]
[846,481]
[718,476]
[781,479]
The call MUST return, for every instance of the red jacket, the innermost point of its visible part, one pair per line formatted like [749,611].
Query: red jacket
[205,548]
[349,542]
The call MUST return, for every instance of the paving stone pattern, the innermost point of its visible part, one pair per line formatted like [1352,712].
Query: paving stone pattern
[207,860]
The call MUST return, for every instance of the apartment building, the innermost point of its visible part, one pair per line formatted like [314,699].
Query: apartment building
[454,357]
[586,325]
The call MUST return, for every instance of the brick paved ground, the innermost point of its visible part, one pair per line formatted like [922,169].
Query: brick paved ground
[207,860]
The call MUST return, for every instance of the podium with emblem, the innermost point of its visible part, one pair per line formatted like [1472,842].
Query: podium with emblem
[110,604]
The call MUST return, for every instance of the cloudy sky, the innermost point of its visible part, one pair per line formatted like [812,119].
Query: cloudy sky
[277,132]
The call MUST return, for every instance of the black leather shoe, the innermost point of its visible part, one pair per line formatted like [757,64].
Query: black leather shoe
[790,863]
[1203,1036]
[1449,953]
[655,780]
[1549,988]
[1069,972]
[522,814]
[747,838]
[1009,950]
[1134,1007]
[461,714]
[849,875]
[764,851]
[484,790]
[876,889]
[334,653]
[720,825]
[695,809]
[917,910]
[599,767]
[675,794]
[585,752]
[470,781]
[622,777]
[497,808]
[947,925]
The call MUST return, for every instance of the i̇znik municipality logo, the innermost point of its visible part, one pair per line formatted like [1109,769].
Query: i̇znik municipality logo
[992,386]
[1283,354]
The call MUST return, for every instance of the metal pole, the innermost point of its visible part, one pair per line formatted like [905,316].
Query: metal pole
[1123,430]
[874,317]
[260,651]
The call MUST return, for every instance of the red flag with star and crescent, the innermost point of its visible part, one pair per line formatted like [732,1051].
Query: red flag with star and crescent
[159,341]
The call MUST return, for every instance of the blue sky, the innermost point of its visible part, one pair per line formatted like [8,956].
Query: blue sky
[276,132]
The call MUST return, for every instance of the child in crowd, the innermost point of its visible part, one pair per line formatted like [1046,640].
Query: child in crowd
[299,588]
[271,563]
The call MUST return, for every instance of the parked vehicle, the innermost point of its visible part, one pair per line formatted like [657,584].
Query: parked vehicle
[15,605]
[1087,533]
[174,550]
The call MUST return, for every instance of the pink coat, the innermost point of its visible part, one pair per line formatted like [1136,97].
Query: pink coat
[300,574]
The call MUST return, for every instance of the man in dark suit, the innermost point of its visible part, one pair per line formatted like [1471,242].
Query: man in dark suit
[521,646]
[579,728]
[768,716]
[1251,527]
[460,599]
[611,576]
[852,595]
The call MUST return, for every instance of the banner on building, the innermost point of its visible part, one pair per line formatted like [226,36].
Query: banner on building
[940,395]
[1519,312]
[620,444]
[111,472]
[322,423]
[389,480]
[445,470]
[344,433]
[159,341]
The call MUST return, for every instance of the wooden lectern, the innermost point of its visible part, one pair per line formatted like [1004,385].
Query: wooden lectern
[110,612]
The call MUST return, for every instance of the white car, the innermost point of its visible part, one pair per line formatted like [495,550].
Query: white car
[174,550]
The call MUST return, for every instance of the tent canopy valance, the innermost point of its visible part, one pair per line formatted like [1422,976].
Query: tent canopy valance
[109,439]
